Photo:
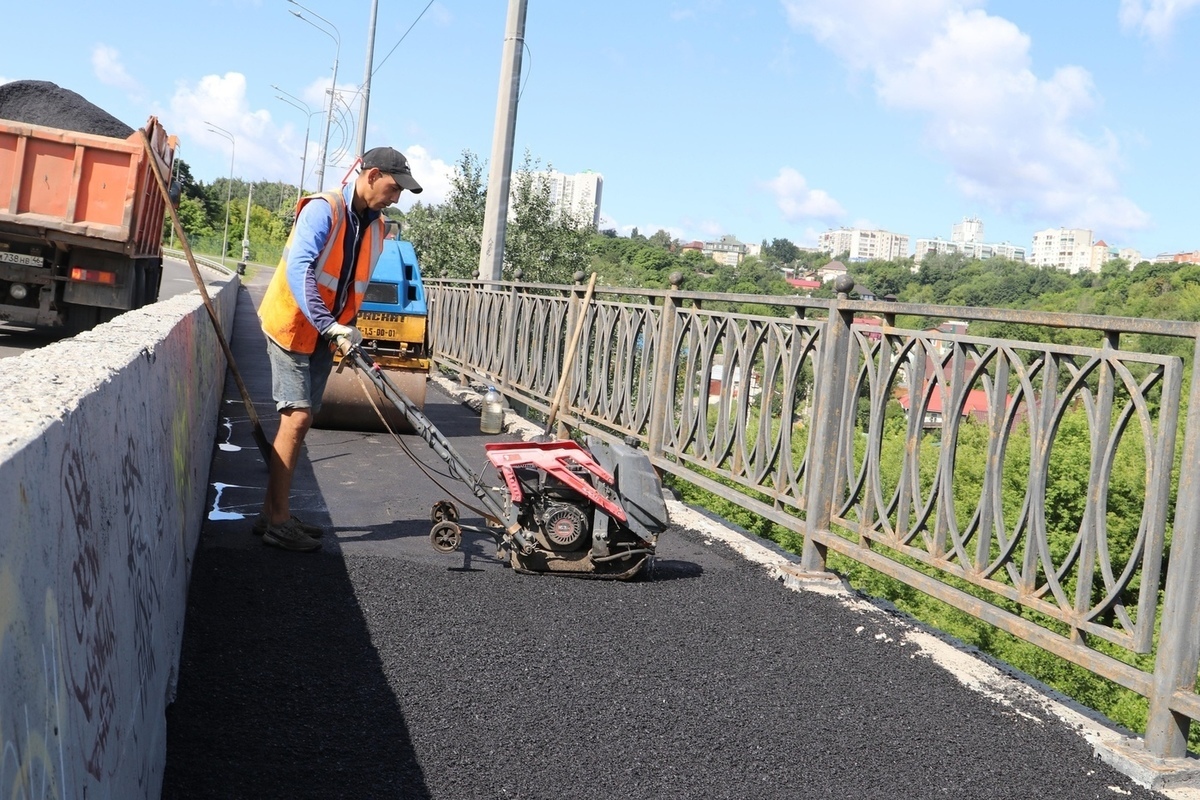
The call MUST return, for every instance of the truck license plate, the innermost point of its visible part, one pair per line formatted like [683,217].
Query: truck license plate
[20,258]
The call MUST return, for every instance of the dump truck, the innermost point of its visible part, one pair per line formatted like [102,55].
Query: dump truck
[392,320]
[81,221]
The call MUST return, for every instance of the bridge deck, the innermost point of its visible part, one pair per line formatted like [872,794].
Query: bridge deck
[377,667]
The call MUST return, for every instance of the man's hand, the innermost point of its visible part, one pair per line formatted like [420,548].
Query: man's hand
[343,337]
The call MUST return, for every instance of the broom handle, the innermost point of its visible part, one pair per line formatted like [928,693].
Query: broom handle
[259,435]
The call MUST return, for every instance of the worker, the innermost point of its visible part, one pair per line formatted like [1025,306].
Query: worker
[308,314]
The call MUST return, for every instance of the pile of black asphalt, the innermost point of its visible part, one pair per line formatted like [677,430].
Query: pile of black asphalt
[48,104]
[379,668]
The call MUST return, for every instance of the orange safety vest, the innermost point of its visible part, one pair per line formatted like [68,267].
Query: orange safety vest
[281,317]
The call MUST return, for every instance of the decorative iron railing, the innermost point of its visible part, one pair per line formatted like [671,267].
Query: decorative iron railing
[1035,484]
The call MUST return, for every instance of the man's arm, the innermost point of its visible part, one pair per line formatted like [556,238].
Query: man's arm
[312,231]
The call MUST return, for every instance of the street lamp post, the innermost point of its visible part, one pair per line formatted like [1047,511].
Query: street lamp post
[219,131]
[300,104]
[337,41]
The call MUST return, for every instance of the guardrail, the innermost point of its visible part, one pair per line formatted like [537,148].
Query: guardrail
[211,263]
[1034,483]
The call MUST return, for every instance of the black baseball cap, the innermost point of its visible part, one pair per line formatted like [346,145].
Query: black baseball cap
[393,162]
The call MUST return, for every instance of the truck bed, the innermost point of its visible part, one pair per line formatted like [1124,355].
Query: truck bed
[82,189]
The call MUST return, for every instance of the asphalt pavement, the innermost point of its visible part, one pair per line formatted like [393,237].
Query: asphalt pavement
[377,667]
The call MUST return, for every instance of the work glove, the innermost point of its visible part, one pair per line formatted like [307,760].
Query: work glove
[343,337]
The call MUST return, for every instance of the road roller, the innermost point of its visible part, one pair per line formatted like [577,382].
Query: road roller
[392,321]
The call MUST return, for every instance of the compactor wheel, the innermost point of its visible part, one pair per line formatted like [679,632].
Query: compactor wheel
[445,536]
[443,509]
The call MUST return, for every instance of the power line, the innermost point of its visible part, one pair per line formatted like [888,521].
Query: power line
[410,27]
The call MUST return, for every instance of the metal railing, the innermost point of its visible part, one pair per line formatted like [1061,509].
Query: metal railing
[204,261]
[1041,484]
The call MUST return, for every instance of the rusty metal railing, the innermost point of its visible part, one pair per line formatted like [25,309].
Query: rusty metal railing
[927,454]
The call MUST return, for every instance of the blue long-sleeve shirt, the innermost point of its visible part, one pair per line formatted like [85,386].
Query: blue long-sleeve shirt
[312,231]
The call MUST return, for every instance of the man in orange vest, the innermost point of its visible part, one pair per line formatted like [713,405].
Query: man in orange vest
[308,313]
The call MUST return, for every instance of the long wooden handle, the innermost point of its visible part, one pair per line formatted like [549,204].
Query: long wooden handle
[259,436]
[569,357]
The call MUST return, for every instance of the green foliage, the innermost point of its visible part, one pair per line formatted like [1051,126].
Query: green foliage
[780,251]
[446,237]
[545,244]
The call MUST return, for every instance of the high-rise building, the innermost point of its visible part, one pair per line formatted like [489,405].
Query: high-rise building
[966,237]
[969,231]
[864,245]
[1064,248]
[577,195]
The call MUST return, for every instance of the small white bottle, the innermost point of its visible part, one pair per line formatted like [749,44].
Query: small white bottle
[492,418]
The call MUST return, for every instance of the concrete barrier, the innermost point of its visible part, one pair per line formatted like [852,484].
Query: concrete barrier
[105,445]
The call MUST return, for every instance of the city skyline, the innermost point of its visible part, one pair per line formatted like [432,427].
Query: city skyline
[777,119]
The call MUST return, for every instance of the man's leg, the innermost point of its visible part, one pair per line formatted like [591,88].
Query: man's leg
[296,380]
[293,426]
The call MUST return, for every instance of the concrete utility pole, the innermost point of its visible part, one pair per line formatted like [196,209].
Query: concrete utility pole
[366,87]
[246,233]
[495,214]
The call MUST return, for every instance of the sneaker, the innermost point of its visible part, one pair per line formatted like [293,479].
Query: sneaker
[312,531]
[289,536]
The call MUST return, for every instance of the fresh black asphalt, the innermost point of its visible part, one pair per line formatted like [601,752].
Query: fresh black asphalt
[379,668]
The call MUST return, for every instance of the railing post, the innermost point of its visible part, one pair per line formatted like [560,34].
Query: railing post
[664,372]
[1179,637]
[828,412]
[510,336]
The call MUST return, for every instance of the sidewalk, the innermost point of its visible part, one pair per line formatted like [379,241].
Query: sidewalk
[379,668]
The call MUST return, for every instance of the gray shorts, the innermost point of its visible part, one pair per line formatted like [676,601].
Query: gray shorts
[298,380]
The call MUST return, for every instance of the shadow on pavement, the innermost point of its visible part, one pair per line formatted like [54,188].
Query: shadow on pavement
[281,691]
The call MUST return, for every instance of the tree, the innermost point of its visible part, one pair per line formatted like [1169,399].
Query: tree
[781,251]
[547,244]
[447,237]
[662,239]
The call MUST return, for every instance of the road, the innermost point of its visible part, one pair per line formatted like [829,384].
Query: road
[177,279]
[377,667]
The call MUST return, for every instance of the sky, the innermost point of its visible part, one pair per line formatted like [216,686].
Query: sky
[759,119]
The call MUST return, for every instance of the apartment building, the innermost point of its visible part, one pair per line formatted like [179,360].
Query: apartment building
[577,194]
[1064,248]
[1101,253]
[864,245]
[1132,257]
[727,250]
[970,230]
[966,237]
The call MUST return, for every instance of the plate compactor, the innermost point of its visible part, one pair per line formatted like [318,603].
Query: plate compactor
[593,512]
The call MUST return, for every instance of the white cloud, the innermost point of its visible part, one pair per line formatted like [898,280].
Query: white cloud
[270,149]
[1012,140]
[107,66]
[433,174]
[867,33]
[1154,19]
[799,202]
[262,150]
